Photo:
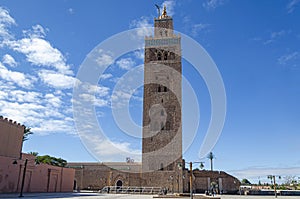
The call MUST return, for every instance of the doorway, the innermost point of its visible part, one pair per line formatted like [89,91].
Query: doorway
[119,184]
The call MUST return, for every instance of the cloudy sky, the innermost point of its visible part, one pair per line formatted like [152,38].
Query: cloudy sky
[255,45]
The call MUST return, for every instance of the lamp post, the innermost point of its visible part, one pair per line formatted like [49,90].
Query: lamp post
[191,180]
[191,175]
[23,178]
[24,175]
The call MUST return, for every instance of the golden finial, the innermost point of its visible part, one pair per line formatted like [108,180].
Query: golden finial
[164,13]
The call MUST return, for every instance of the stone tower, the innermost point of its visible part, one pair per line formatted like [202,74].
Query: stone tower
[162,122]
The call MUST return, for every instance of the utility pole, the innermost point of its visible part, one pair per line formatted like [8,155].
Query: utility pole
[191,179]
[275,187]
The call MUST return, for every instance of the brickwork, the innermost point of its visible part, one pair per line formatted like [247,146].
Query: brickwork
[225,182]
[162,128]
[95,176]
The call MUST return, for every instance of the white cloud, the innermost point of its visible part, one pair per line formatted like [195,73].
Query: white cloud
[212,4]
[292,5]
[125,63]
[93,89]
[41,53]
[55,126]
[105,76]
[170,5]
[36,31]
[43,112]
[91,94]
[104,59]
[14,77]
[143,25]
[139,54]
[36,110]
[21,96]
[285,59]
[262,173]
[91,99]
[118,151]
[275,35]
[196,28]
[53,100]
[9,60]
[5,21]
[56,80]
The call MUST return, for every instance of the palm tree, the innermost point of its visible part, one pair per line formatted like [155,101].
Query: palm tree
[27,132]
[33,153]
[211,156]
[47,159]
[201,165]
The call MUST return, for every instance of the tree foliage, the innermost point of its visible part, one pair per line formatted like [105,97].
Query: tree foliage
[34,153]
[47,159]
[290,180]
[27,132]
[245,182]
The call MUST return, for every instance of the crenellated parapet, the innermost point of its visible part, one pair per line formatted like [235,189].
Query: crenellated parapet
[11,122]
[11,138]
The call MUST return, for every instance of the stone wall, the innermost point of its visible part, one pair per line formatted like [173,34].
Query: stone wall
[95,176]
[226,183]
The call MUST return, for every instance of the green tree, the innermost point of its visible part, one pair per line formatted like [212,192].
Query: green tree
[47,159]
[201,165]
[27,132]
[33,153]
[211,156]
[245,182]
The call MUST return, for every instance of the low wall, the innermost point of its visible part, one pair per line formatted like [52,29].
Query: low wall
[38,178]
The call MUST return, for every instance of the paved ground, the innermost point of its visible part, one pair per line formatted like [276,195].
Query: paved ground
[116,196]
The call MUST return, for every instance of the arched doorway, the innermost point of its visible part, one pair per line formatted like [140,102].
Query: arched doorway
[119,184]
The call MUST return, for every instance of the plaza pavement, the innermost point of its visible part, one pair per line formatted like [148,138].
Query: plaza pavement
[121,196]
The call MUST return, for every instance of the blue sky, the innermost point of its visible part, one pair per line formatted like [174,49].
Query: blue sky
[255,45]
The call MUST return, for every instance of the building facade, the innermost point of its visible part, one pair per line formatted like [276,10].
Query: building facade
[38,177]
[162,164]
[162,129]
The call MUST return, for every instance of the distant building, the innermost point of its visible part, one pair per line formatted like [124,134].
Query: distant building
[38,178]
[162,164]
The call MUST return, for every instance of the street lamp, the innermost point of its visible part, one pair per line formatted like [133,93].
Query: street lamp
[191,175]
[24,175]
[23,178]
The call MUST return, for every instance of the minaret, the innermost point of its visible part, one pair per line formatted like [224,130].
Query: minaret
[162,122]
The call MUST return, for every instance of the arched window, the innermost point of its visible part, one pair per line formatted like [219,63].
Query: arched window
[165,89]
[159,88]
[166,32]
[166,56]
[162,126]
[159,56]
[172,55]
[161,166]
